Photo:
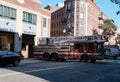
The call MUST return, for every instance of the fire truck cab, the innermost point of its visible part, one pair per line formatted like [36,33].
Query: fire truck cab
[83,48]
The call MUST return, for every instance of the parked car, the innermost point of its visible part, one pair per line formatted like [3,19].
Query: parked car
[112,52]
[9,57]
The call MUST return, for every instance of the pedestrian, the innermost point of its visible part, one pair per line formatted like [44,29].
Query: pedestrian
[21,55]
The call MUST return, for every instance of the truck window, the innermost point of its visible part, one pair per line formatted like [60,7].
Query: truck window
[91,46]
[84,46]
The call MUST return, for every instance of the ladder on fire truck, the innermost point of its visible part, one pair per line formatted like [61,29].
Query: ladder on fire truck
[73,39]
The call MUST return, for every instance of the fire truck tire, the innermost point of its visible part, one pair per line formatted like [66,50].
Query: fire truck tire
[93,60]
[84,58]
[63,59]
[54,57]
[46,56]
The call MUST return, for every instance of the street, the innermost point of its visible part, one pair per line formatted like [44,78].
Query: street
[69,71]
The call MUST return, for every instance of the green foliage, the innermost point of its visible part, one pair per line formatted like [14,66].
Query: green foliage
[108,28]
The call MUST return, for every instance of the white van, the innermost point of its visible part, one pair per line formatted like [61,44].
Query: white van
[112,52]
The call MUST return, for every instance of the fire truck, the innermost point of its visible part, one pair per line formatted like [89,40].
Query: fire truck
[83,48]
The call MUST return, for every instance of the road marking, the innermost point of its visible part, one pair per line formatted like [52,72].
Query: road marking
[46,69]
[8,74]
[17,73]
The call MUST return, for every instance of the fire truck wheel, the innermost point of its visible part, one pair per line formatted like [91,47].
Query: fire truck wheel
[93,60]
[46,56]
[84,58]
[63,59]
[54,57]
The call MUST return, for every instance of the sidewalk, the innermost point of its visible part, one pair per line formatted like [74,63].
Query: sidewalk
[29,60]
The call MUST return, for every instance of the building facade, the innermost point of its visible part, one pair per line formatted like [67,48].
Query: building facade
[76,18]
[22,24]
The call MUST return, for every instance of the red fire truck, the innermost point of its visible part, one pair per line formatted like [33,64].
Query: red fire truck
[83,48]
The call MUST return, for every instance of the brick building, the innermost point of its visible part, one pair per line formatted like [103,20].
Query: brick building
[77,17]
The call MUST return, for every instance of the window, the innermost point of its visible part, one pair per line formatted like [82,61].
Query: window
[81,25]
[7,12]
[30,18]
[34,19]
[84,46]
[1,10]
[12,15]
[78,3]
[72,14]
[81,4]
[65,7]
[77,26]
[25,17]
[4,11]
[72,4]
[69,6]
[81,15]
[44,22]
[77,15]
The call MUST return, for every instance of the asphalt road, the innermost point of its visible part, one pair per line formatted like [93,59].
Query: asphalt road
[70,71]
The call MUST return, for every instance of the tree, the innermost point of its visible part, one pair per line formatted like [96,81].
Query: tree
[118,3]
[108,28]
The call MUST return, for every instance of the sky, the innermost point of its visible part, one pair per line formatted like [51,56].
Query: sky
[106,6]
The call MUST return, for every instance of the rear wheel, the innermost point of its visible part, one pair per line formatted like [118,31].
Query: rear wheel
[84,58]
[46,57]
[54,57]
